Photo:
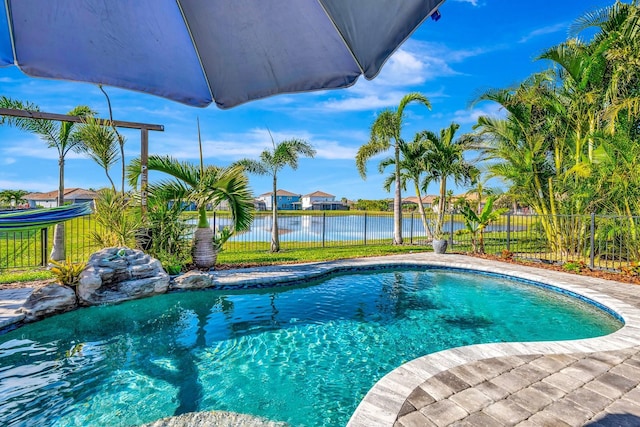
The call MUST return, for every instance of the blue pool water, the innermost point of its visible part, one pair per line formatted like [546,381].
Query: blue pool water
[305,355]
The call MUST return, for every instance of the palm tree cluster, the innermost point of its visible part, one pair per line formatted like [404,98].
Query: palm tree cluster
[12,197]
[569,143]
[429,157]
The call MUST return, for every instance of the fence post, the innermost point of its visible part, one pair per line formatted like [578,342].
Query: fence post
[43,246]
[365,229]
[592,251]
[451,231]
[214,221]
[411,233]
[324,222]
[509,231]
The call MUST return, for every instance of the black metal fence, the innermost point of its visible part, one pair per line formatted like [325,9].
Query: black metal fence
[596,241]
[31,248]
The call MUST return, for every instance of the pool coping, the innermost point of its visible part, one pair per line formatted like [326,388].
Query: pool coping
[383,402]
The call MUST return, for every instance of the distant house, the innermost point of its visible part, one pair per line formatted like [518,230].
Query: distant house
[470,197]
[50,199]
[428,202]
[285,200]
[259,205]
[321,201]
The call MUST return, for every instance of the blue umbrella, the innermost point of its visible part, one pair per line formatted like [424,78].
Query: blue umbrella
[202,51]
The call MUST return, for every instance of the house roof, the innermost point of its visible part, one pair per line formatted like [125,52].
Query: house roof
[279,193]
[69,194]
[414,199]
[470,196]
[318,194]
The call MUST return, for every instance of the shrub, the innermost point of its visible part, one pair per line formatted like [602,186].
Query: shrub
[506,254]
[67,272]
[574,266]
[632,269]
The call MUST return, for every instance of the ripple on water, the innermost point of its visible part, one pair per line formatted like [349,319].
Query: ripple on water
[305,355]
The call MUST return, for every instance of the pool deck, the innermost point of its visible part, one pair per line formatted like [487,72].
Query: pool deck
[593,382]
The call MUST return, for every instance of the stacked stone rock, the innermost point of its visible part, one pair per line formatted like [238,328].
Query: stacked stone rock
[112,275]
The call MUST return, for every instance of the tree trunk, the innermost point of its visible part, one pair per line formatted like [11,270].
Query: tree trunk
[202,252]
[397,202]
[441,206]
[474,246]
[423,215]
[58,252]
[275,237]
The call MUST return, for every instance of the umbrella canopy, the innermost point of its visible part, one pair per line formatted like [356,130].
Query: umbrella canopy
[197,52]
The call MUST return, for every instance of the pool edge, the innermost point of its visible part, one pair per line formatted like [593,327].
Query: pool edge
[383,402]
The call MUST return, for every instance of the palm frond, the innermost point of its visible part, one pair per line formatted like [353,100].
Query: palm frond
[253,166]
[367,151]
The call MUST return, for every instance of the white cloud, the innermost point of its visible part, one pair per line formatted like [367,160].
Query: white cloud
[36,149]
[234,146]
[471,116]
[415,64]
[471,2]
[22,184]
[333,150]
[7,160]
[562,26]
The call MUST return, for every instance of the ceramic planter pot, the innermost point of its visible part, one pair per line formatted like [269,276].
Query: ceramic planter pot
[439,245]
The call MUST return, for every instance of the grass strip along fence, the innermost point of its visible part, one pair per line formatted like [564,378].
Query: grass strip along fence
[599,242]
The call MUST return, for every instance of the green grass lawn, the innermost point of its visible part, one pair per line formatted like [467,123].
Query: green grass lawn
[25,276]
[312,254]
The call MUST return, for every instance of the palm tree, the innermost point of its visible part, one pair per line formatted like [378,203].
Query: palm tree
[476,223]
[445,159]
[412,168]
[386,129]
[478,182]
[99,143]
[285,153]
[204,185]
[117,136]
[58,135]
[12,197]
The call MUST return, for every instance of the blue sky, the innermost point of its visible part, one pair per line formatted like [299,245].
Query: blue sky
[476,45]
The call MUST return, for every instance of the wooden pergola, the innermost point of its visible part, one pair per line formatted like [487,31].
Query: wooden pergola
[144,138]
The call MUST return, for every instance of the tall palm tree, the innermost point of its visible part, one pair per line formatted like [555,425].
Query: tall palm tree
[285,153]
[412,168]
[385,132]
[58,135]
[445,159]
[204,185]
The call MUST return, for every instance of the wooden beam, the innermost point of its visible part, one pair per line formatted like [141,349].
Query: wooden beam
[144,139]
[64,118]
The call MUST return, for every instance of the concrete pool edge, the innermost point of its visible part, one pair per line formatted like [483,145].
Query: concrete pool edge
[382,404]
[384,401]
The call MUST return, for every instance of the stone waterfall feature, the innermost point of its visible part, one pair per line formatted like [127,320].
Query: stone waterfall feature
[120,274]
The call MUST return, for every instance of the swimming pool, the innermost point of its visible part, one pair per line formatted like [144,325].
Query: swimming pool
[305,354]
